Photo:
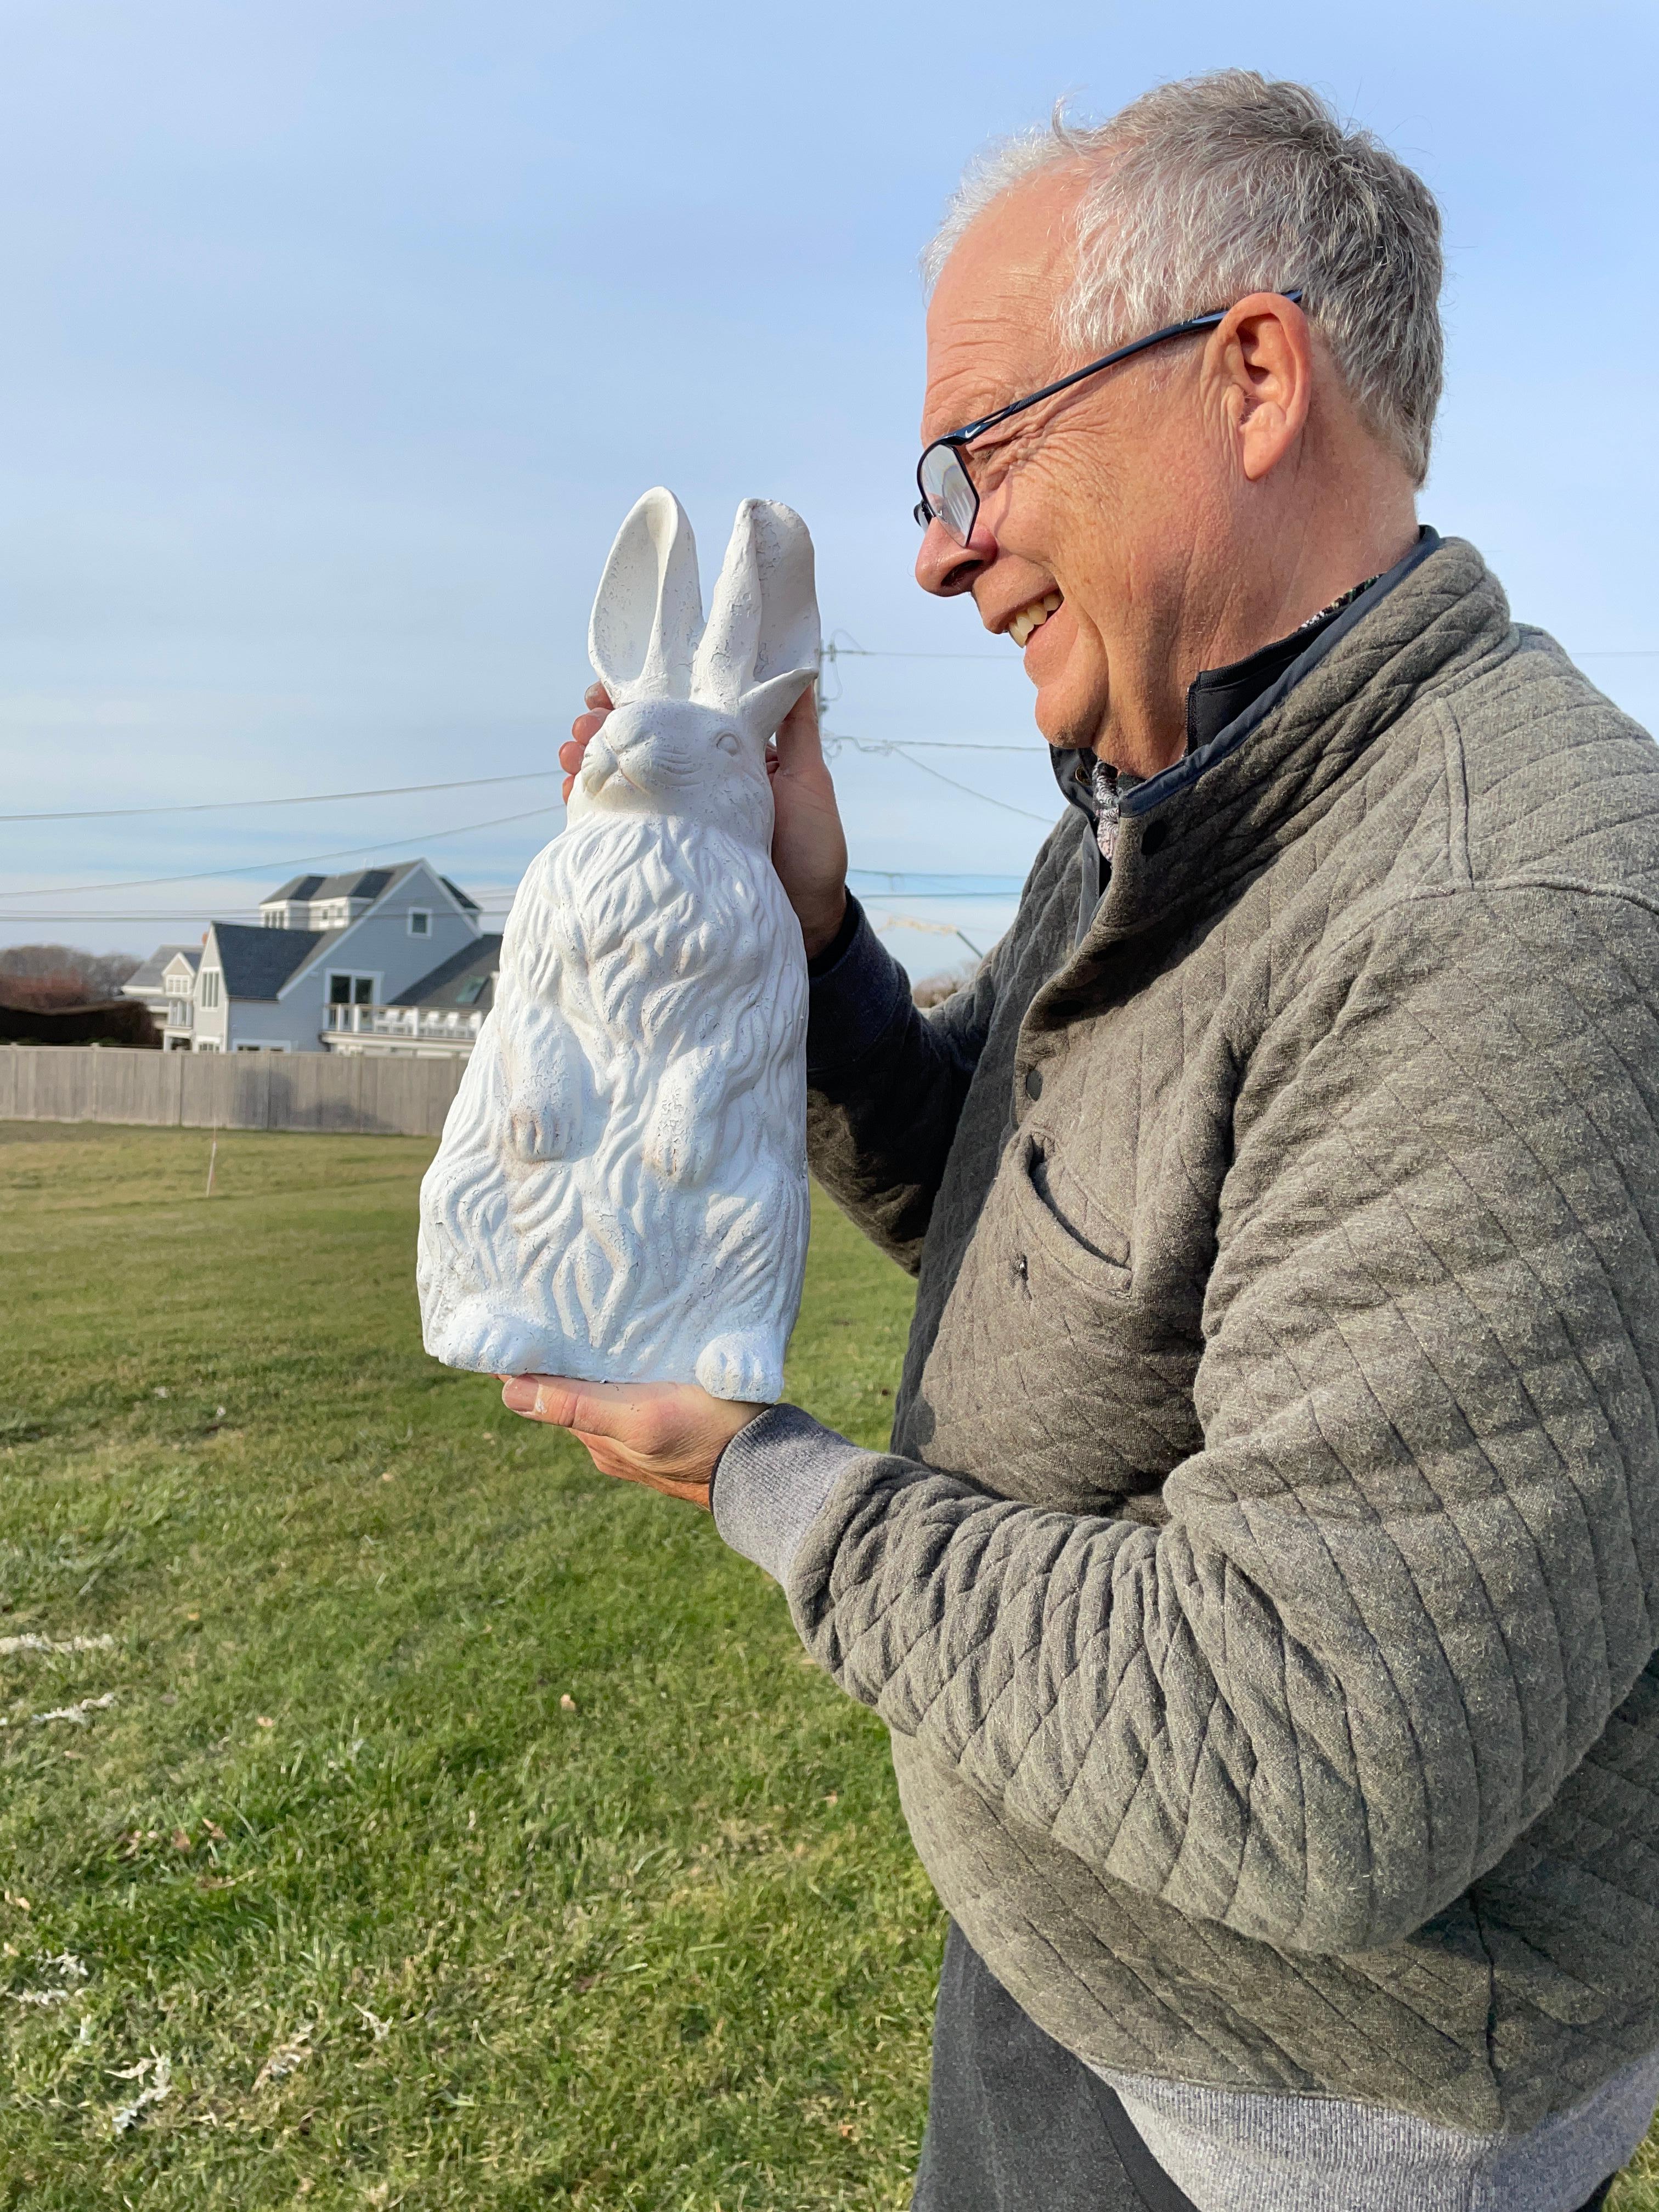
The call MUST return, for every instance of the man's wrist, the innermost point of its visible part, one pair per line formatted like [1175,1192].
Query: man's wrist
[825,925]
[772,1482]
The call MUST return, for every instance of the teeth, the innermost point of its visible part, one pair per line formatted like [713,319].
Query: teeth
[1033,617]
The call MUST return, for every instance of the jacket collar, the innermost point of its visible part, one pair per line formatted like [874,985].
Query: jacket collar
[1188,836]
[1254,685]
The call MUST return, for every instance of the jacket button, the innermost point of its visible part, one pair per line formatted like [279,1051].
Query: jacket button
[1034,1083]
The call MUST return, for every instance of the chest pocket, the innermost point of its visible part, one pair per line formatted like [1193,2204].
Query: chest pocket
[1048,1379]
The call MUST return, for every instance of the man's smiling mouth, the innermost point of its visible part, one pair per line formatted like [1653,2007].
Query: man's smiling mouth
[1032,617]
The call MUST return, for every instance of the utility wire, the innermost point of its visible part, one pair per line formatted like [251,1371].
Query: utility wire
[405,790]
[832,652]
[305,798]
[836,651]
[1025,812]
[834,739]
[274,867]
[888,884]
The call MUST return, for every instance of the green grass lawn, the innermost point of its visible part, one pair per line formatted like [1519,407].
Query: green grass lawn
[452,1826]
[449,1826]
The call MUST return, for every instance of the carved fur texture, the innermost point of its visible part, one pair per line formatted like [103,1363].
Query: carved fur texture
[621,1188]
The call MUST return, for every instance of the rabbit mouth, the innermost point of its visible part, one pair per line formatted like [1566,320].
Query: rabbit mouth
[602,771]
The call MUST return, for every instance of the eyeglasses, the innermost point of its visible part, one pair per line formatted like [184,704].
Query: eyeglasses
[947,490]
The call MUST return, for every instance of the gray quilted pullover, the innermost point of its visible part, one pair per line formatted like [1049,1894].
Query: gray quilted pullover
[1260,1588]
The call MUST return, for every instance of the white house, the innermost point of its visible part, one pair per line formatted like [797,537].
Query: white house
[166,985]
[327,948]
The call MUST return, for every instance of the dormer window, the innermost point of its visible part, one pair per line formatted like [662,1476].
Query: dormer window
[419,921]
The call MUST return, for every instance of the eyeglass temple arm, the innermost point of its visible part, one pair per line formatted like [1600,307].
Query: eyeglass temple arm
[1207,322]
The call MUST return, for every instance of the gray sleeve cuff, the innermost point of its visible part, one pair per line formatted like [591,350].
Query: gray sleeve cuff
[773,1481]
[850,1006]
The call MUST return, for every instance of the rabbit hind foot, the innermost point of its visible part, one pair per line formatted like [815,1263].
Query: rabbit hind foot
[484,1340]
[741,1367]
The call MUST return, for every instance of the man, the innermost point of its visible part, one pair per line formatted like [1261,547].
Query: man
[1260,1586]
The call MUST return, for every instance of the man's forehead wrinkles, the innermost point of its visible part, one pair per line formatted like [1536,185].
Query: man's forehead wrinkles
[980,363]
[990,326]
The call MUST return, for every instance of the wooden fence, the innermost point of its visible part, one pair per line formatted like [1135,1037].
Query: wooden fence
[370,1095]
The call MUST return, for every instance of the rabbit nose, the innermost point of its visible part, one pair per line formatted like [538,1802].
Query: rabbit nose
[598,764]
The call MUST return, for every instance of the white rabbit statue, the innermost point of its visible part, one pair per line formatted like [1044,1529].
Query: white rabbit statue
[620,1189]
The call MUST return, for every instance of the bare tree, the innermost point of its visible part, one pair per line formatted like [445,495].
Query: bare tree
[49,975]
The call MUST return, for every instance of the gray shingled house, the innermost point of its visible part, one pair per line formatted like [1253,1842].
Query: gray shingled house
[438,1017]
[327,952]
[165,984]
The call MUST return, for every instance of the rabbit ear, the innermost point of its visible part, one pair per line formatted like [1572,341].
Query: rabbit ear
[761,647]
[647,615]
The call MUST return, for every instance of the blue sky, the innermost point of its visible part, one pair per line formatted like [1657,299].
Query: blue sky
[341,337]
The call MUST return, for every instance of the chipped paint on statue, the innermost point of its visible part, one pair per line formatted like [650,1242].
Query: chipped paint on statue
[620,1189]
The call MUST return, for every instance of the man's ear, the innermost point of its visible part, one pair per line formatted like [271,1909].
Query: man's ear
[1263,359]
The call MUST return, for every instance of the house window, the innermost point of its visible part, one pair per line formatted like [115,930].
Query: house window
[351,990]
[210,982]
[419,921]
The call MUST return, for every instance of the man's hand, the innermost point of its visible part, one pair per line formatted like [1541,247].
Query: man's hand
[667,1435]
[809,849]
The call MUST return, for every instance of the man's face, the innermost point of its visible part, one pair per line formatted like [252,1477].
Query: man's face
[1097,498]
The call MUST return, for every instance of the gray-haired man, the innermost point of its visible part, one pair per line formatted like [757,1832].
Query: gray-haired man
[1261,1586]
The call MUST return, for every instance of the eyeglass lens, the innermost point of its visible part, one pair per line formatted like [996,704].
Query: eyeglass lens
[949,493]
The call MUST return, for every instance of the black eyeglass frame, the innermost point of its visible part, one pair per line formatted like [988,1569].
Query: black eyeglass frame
[955,440]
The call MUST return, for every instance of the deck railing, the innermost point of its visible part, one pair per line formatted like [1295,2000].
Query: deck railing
[411,1024]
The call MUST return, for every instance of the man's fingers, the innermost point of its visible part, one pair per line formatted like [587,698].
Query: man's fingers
[590,1407]
[642,1415]
[797,741]
[598,698]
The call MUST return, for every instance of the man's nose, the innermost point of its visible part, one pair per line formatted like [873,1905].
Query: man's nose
[948,569]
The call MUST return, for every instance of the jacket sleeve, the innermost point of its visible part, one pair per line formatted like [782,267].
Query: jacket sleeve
[1412,1571]
[885,1084]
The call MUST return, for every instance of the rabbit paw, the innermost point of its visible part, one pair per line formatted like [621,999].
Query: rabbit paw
[682,1139]
[539,1131]
[483,1339]
[742,1368]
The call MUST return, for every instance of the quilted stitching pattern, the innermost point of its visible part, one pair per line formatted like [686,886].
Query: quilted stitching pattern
[1262,1588]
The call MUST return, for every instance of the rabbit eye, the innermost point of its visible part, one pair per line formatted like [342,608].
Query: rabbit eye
[727,742]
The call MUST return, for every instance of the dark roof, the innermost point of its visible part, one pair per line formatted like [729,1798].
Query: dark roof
[448,985]
[353,884]
[359,884]
[258,961]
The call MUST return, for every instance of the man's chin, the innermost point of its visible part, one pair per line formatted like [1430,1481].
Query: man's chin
[1068,723]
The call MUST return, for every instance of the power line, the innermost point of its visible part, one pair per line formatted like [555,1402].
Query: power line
[834,651]
[887,884]
[405,790]
[275,868]
[899,747]
[303,798]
